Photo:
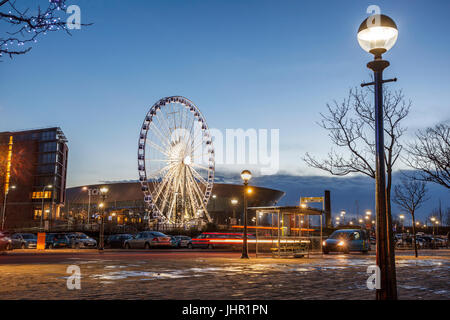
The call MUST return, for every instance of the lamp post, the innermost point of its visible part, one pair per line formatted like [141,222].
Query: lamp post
[402,219]
[89,203]
[103,192]
[343,216]
[42,209]
[246,176]
[234,203]
[4,204]
[376,35]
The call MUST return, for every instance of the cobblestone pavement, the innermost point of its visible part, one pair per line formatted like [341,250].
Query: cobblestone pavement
[214,277]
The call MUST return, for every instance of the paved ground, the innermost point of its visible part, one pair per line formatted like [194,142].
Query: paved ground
[203,274]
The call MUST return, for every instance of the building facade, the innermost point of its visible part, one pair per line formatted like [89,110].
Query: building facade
[33,169]
[125,202]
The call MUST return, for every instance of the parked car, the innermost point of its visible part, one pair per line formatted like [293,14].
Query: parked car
[117,240]
[148,239]
[346,240]
[5,241]
[24,241]
[181,241]
[56,240]
[80,240]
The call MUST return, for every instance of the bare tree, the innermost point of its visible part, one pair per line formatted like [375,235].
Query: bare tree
[23,25]
[430,154]
[409,196]
[351,127]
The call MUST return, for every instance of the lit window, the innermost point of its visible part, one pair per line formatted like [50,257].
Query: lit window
[41,195]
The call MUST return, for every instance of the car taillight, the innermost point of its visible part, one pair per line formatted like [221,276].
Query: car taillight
[155,239]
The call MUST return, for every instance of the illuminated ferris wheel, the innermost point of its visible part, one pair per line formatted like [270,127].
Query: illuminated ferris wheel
[176,161]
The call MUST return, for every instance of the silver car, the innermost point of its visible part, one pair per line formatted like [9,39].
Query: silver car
[148,239]
[79,240]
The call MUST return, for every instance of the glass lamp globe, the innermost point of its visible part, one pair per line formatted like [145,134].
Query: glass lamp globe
[246,175]
[377,34]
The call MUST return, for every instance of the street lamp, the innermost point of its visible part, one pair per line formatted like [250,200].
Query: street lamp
[343,216]
[376,35]
[4,204]
[103,192]
[402,219]
[234,203]
[43,196]
[246,176]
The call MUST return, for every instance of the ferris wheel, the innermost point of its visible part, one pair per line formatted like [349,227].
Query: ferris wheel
[176,161]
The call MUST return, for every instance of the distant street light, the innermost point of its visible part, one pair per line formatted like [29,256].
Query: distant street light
[246,175]
[234,203]
[402,218]
[43,197]
[4,204]
[103,192]
[376,35]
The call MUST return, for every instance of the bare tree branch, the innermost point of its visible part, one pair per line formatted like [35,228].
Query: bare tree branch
[409,196]
[430,154]
[23,26]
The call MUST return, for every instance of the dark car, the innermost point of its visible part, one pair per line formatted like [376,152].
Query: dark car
[5,241]
[117,240]
[56,240]
[346,240]
[24,241]
[79,240]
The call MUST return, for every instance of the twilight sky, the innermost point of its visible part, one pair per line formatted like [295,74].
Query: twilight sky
[245,63]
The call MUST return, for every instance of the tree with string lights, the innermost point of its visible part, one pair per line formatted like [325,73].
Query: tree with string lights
[22,25]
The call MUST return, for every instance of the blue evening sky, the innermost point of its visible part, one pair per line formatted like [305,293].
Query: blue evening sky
[246,64]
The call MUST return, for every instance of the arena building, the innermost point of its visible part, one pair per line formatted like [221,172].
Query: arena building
[125,204]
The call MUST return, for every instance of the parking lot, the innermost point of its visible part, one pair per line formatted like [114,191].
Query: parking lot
[212,274]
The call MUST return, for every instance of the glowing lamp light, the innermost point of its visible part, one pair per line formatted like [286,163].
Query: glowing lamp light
[246,175]
[377,34]
[341,243]
[103,190]
[234,202]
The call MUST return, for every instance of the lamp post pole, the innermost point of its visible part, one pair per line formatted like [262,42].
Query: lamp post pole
[42,208]
[245,175]
[244,244]
[376,35]
[103,192]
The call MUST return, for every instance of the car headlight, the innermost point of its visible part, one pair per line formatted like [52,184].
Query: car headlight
[341,243]
[324,243]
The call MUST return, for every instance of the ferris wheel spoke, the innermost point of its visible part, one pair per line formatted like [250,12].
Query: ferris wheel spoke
[199,177]
[164,139]
[158,172]
[195,186]
[199,166]
[165,181]
[158,147]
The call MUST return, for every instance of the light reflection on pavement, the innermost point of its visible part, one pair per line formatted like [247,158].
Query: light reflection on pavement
[152,277]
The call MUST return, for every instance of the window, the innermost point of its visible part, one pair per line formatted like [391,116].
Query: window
[41,195]
[47,158]
[47,147]
[48,168]
[48,135]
